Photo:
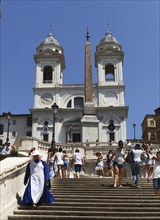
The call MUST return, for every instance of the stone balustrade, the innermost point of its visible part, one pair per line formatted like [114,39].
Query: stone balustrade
[11,183]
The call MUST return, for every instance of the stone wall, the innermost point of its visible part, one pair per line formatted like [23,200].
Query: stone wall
[11,183]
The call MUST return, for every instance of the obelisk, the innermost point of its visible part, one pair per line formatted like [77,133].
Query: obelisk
[88,104]
[89,120]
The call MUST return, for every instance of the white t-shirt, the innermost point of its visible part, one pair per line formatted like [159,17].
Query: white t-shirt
[137,155]
[59,158]
[156,169]
[119,156]
[77,158]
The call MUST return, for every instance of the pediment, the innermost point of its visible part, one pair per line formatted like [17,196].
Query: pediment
[108,50]
[47,52]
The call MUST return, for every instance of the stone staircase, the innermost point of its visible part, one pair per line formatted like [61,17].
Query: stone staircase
[95,198]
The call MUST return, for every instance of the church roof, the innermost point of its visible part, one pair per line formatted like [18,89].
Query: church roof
[50,39]
[109,38]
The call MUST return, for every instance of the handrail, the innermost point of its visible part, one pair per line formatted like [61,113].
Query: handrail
[70,146]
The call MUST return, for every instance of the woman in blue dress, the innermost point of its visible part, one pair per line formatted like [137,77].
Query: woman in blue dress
[37,179]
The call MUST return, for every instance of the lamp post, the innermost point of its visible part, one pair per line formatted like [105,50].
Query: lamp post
[134,129]
[54,110]
[9,120]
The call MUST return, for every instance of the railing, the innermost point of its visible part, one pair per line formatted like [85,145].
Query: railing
[89,149]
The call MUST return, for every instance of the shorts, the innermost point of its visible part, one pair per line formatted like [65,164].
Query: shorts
[60,166]
[99,168]
[77,168]
[66,163]
[156,183]
[115,164]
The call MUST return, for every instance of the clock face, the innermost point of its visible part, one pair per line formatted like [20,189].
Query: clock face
[46,99]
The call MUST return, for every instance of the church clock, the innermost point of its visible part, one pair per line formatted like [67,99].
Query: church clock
[46,99]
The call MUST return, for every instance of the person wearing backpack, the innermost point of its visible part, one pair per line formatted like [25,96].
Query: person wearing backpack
[137,154]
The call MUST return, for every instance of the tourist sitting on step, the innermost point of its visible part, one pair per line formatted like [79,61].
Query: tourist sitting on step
[118,164]
[155,173]
[14,152]
[37,181]
[78,162]
[99,164]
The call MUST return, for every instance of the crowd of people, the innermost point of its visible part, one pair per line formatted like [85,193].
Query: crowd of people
[59,164]
[141,160]
[38,174]
[7,150]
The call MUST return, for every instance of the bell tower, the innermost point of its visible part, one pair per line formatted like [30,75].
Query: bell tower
[109,63]
[50,63]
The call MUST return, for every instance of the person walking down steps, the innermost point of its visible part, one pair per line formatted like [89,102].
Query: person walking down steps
[37,181]
[118,164]
[154,171]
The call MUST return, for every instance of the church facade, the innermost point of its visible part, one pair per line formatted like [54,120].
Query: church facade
[85,111]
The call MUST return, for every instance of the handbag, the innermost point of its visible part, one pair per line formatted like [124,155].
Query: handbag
[130,157]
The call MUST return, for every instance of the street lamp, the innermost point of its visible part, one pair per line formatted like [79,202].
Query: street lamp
[134,129]
[54,110]
[9,120]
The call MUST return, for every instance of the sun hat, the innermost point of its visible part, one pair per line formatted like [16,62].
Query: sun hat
[35,153]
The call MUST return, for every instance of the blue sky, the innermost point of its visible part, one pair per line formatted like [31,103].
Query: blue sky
[135,24]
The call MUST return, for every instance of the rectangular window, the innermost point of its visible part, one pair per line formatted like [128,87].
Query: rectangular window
[29,122]
[13,134]
[152,123]
[1,129]
[152,136]
[29,134]
[45,137]
[111,136]
[76,137]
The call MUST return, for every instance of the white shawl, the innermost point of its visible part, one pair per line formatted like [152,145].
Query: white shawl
[37,180]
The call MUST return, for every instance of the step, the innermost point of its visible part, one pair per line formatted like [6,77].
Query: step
[96,199]
[87,213]
[88,208]
[65,217]
[91,204]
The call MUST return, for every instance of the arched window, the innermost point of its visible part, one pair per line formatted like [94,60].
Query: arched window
[47,74]
[69,104]
[78,102]
[109,72]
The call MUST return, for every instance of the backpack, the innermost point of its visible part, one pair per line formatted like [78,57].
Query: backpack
[130,157]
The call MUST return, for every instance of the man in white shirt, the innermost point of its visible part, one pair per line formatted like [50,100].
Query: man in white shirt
[78,161]
[137,152]
[59,161]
